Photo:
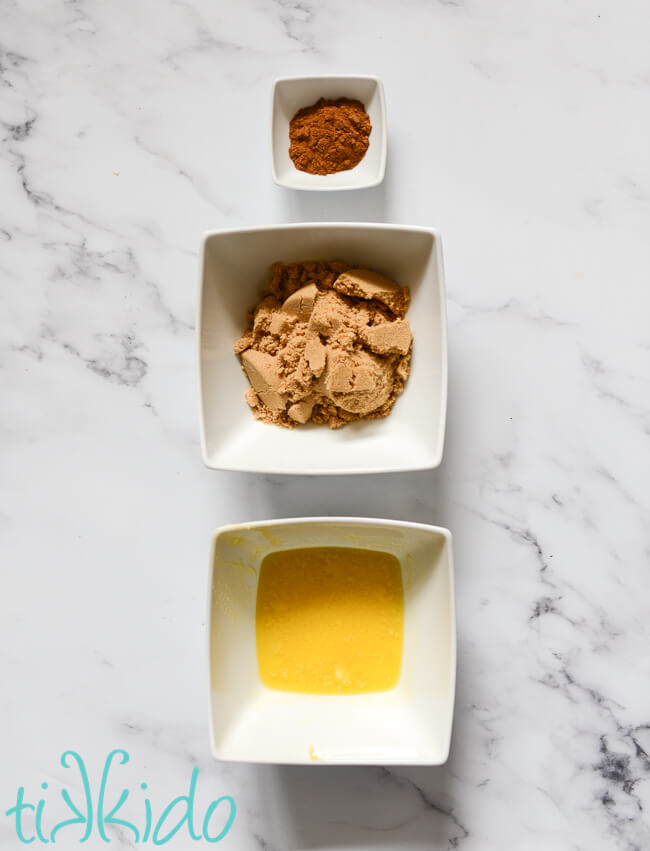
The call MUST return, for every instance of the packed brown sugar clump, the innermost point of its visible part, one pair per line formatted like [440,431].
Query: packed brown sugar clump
[329,136]
[326,343]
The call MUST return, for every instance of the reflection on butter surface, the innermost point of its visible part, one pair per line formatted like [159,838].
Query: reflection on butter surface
[330,620]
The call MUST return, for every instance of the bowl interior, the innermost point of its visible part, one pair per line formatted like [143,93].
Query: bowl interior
[409,724]
[291,95]
[235,269]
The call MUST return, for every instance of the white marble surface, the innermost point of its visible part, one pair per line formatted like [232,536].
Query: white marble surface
[522,132]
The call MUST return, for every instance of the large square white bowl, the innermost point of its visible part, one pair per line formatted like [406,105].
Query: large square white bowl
[293,93]
[235,267]
[410,724]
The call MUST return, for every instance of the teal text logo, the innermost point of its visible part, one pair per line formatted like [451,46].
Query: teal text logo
[87,816]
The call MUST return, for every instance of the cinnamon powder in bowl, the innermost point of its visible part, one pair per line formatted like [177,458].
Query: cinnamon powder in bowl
[336,126]
[329,136]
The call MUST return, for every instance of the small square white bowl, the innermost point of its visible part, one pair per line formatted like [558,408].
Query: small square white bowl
[235,266]
[293,93]
[408,725]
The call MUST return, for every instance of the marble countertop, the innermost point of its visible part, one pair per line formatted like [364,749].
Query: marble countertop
[521,131]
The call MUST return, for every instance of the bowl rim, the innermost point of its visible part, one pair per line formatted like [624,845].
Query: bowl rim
[383,133]
[437,455]
[327,520]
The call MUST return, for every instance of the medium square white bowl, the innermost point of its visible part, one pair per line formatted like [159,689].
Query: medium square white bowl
[293,93]
[235,267]
[410,724]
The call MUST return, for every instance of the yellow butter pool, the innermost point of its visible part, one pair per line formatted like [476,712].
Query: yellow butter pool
[330,620]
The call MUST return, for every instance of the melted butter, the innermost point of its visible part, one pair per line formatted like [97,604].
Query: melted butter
[330,620]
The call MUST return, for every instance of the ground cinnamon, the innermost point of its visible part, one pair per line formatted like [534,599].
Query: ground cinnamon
[329,136]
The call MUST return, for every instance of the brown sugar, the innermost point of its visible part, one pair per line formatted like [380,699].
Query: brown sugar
[329,136]
[326,343]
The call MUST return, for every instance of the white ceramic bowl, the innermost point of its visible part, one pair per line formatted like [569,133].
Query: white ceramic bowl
[235,267]
[410,724]
[291,94]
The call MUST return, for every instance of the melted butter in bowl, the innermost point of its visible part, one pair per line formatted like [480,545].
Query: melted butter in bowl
[335,634]
[330,620]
